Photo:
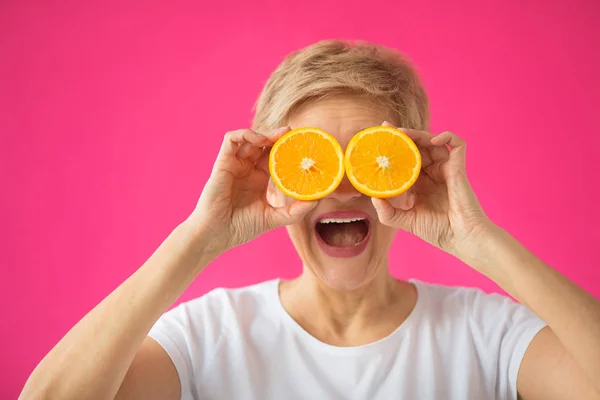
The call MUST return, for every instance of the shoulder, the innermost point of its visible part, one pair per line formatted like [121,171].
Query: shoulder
[223,305]
[193,332]
[494,322]
[446,298]
[209,318]
[485,314]
[495,329]
[231,299]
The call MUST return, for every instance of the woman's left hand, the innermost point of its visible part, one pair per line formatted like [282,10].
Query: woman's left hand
[441,207]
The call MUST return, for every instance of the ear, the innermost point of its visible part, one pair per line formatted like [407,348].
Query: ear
[405,201]
[275,197]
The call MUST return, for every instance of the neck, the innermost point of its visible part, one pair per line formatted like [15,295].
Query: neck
[348,317]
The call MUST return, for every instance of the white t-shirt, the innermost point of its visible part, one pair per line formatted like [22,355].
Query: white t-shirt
[458,343]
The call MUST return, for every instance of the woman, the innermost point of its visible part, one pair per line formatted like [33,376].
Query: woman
[344,329]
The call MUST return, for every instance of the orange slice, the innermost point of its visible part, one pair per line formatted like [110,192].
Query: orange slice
[306,163]
[382,162]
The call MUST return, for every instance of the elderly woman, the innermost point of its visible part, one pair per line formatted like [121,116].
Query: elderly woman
[345,328]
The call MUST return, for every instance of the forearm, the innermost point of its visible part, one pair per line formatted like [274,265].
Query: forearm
[92,359]
[571,312]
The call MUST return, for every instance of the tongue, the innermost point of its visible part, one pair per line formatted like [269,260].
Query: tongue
[344,234]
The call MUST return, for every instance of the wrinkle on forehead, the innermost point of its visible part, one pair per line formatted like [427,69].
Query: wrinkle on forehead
[341,116]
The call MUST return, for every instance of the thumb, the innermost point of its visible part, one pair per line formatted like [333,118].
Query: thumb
[290,214]
[391,216]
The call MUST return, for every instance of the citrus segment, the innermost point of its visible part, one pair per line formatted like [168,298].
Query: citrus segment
[382,162]
[306,164]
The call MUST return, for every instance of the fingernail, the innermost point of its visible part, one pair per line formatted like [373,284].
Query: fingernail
[385,123]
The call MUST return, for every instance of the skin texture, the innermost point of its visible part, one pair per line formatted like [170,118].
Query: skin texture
[351,302]
[344,301]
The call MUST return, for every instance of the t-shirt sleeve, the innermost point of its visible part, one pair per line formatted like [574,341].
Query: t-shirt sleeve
[172,332]
[190,334]
[506,329]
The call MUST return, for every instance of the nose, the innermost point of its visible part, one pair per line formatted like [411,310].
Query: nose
[345,192]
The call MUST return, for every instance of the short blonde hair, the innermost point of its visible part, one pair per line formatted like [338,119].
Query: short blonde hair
[334,67]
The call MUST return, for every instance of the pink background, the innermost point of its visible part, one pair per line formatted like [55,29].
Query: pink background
[110,117]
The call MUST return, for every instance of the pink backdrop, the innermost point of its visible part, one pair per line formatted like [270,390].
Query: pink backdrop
[110,117]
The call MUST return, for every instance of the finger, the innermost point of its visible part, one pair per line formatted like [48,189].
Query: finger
[277,133]
[257,155]
[251,144]
[233,140]
[435,172]
[405,201]
[391,216]
[263,162]
[286,215]
[426,159]
[421,138]
[260,157]
[248,151]
[457,153]
[448,138]
[275,197]
[439,154]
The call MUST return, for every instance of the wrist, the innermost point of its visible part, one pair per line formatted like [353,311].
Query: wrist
[481,246]
[184,253]
[202,238]
[500,257]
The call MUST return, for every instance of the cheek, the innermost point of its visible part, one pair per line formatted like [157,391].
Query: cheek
[384,235]
[300,233]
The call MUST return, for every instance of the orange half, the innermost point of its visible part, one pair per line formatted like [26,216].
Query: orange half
[382,162]
[306,163]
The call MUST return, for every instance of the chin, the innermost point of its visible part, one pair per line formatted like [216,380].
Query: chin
[343,249]
[345,274]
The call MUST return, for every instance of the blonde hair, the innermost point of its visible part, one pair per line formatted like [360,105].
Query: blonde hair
[334,67]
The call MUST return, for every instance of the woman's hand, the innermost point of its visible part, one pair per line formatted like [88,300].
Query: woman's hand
[441,207]
[233,206]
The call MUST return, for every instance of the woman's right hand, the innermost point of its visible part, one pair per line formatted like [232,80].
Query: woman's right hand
[233,207]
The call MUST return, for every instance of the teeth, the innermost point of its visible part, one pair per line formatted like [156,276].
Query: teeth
[339,220]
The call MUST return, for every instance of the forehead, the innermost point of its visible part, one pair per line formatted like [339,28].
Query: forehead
[340,116]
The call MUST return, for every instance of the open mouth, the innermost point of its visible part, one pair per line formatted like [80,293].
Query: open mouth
[343,232]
